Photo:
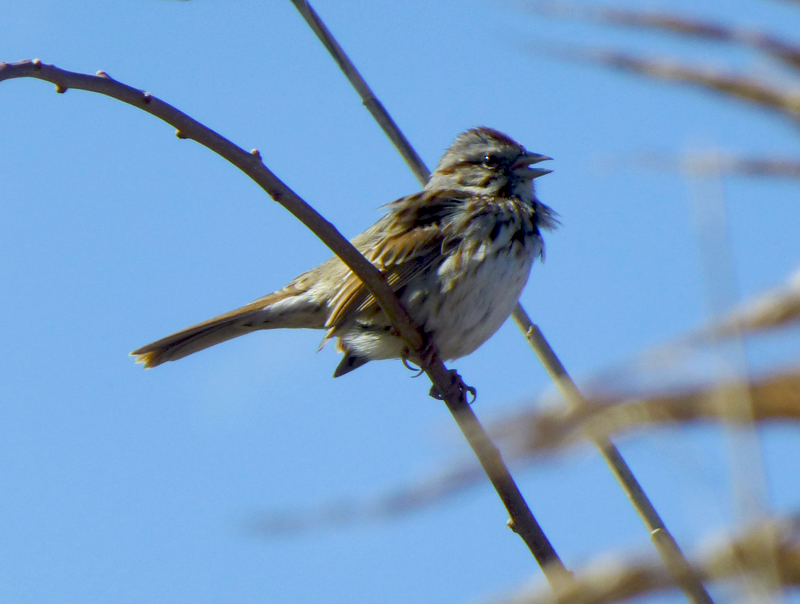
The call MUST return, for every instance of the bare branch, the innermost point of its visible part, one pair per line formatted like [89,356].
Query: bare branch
[249,163]
[663,540]
[450,389]
[786,52]
[666,545]
[371,102]
[530,532]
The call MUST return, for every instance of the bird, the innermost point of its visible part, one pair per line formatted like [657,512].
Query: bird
[457,254]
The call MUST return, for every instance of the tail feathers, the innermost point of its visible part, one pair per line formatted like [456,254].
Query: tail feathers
[349,363]
[196,338]
[273,311]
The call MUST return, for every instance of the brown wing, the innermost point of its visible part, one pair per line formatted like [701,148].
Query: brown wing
[405,242]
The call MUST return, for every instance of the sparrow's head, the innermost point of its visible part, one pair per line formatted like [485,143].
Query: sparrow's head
[490,163]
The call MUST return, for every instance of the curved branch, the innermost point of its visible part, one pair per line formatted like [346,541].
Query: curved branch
[450,390]
[249,163]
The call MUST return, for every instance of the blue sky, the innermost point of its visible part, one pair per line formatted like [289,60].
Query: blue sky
[131,486]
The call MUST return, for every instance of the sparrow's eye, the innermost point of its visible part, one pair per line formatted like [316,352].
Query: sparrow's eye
[490,161]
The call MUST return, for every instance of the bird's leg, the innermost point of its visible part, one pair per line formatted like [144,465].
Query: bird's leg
[429,350]
[426,355]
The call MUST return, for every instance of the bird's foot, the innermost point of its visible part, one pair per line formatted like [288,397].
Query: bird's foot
[464,391]
[410,367]
[421,360]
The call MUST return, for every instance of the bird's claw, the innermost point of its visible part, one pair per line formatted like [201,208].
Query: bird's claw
[411,367]
[456,382]
[426,356]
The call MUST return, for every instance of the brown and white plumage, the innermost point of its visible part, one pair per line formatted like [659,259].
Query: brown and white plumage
[457,254]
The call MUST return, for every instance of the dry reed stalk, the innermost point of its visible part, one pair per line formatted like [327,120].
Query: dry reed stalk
[398,503]
[775,397]
[671,23]
[770,167]
[778,100]
[531,435]
[774,309]
[619,580]
[737,407]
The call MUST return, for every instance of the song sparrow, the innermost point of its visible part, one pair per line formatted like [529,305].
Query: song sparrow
[457,254]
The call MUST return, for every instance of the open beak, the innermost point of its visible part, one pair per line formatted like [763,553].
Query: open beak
[521,166]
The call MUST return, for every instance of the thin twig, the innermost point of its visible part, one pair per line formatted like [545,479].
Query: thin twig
[662,539]
[667,547]
[522,521]
[415,163]
[369,99]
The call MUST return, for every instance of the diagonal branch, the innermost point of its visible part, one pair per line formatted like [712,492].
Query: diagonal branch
[669,550]
[249,163]
[368,97]
[529,435]
[450,390]
[662,539]
[393,132]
